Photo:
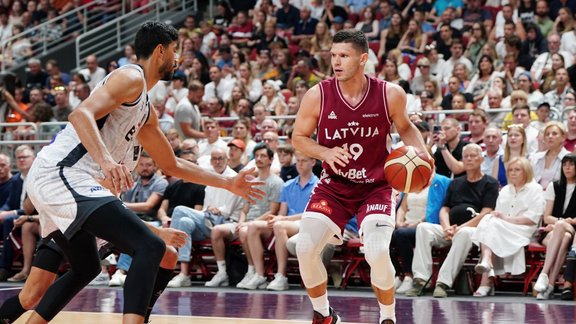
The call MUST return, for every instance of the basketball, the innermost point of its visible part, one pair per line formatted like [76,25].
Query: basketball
[407,169]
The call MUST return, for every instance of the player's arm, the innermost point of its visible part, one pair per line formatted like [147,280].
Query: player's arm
[397,109]
[306,123]
[122,87]
[156,144]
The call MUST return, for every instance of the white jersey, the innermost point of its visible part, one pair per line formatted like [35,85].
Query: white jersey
[118,130]
[64,179]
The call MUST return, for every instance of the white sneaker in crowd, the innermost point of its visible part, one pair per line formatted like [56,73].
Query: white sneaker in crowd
[180,280]
[117,279]
[102,279]
[542,283]
[220,279]
[256,282]
[245,280]
[279,283]
[405,286]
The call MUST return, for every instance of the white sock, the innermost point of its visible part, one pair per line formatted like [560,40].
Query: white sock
[221,266]
[251,269]
[387,311]
[321,304]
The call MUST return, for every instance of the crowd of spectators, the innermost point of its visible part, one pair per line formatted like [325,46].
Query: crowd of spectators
[255,60]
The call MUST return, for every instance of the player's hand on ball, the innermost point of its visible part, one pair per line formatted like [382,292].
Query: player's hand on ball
[244,185]
[337,156]
[172,237]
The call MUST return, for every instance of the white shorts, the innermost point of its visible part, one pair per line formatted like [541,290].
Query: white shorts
[64,197]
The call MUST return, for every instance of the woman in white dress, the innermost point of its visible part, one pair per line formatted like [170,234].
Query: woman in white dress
[503,234]
[560,221]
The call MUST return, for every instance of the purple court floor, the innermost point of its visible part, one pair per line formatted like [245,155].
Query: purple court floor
[356,305]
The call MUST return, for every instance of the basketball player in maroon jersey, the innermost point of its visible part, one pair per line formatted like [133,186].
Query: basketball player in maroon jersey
[353,114]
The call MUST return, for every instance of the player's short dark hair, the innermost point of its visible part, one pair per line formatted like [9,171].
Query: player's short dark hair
[352,36]
[152,34]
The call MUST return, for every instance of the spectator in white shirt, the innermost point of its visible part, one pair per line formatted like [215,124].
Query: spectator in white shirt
[93,73]
[219,87]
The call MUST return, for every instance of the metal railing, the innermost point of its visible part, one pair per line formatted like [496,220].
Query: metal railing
[114,35]
[43,36]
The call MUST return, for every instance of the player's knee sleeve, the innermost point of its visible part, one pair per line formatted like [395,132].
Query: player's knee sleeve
[153,249]
[311,268]
[377,253]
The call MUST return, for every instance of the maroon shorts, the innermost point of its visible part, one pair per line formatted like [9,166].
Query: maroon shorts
[341,201]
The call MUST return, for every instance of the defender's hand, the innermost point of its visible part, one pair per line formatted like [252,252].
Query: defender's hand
[243,185]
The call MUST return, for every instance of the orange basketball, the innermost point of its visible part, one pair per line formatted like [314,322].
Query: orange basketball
[407,169]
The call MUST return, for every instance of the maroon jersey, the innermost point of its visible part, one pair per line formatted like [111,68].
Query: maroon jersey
[362,129]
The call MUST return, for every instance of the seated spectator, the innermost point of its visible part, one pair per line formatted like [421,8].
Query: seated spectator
[286,222]
[547,164]
[389,72]
[480,82]
[454,86]
[219,87]
[252,86]
[521,115]
[369,26]
[503,234]
[166,121]
[12,207]
[177,90]
[516,146]
[5,176]
[457,225]
[272,99]
[423,67]
[174,139]
[288,170]
[241,131]
[414,209]
[555,97]
[62,107]
[270,138]
[560,223]
[477,123]
[212,206]
[144,199]
[259,210]
[492,140]
[30,229]
[19,48]
[448,155]
[212,140]
[524,83]
[236,150]
[570,141]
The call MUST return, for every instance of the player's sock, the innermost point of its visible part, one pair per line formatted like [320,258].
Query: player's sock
[11,310]
[387,311]
[321,304]
[162,279]
[221,266]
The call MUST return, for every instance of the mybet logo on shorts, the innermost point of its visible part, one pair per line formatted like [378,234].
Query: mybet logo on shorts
[322,206]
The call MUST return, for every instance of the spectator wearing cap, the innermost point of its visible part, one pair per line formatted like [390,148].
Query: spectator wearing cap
[543,113]
[524,83]
[236,149]
[177,90]
[337,25]
[287,15]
